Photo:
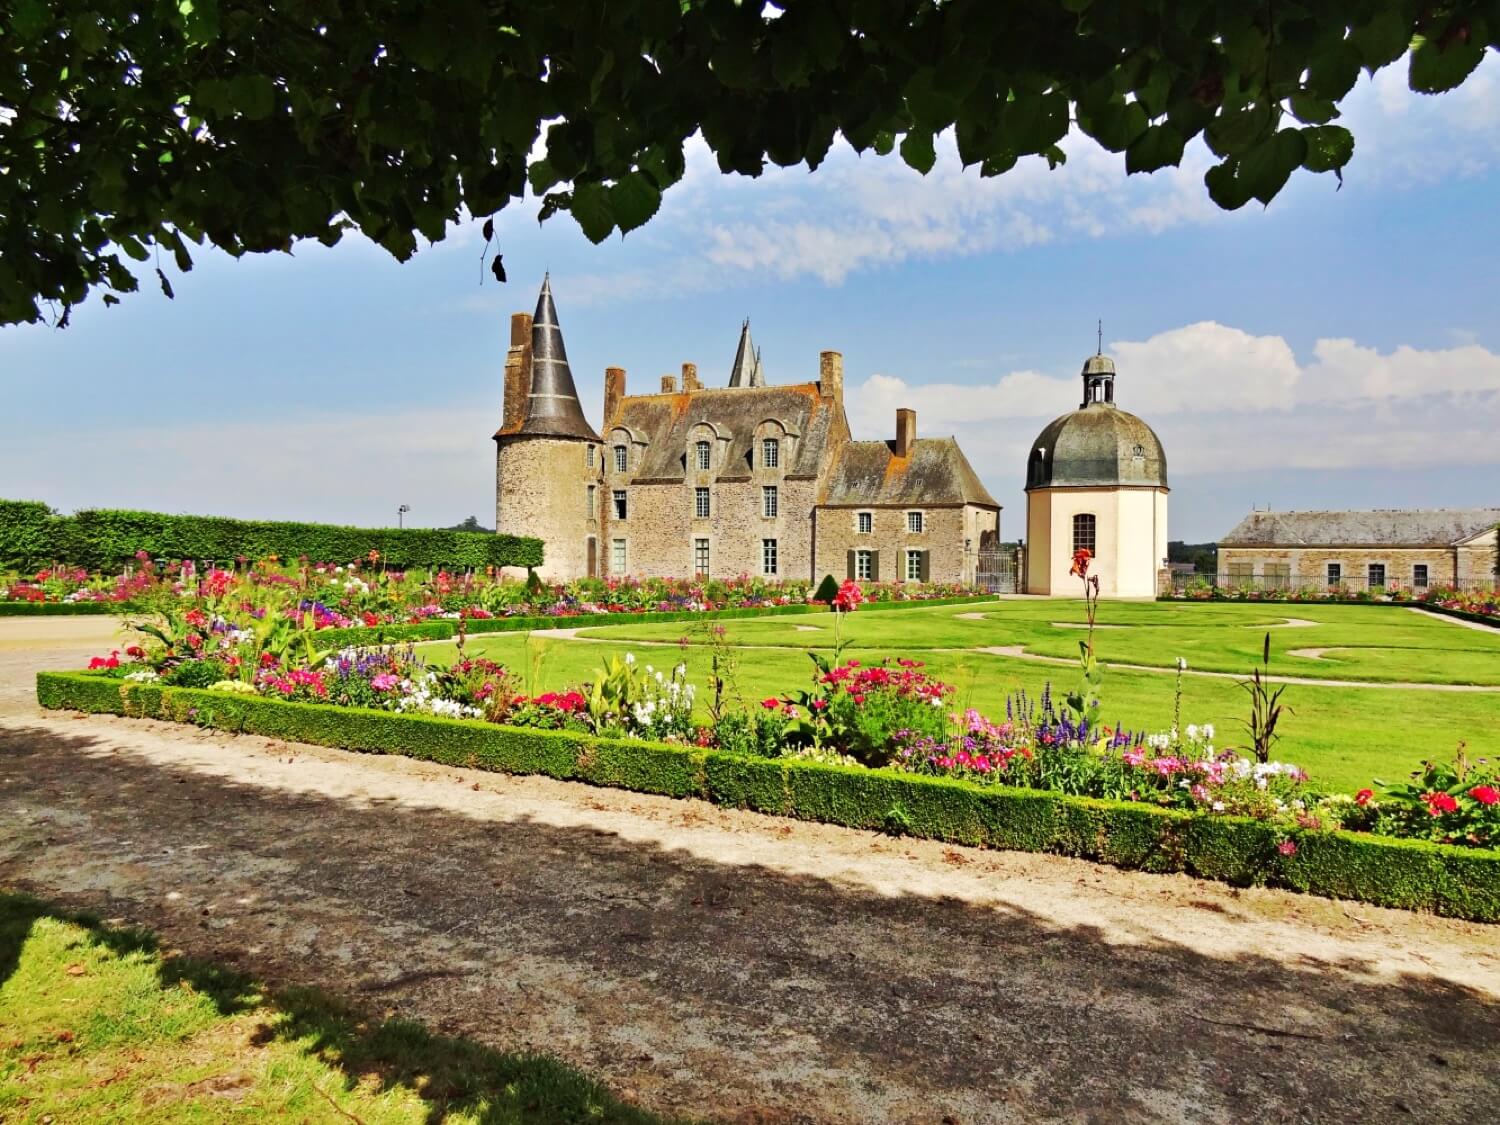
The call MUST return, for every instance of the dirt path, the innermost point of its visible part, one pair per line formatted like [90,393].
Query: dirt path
[1480,625]
[744,967]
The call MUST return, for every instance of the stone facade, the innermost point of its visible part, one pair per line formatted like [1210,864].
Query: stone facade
[750,478]
[1299,549]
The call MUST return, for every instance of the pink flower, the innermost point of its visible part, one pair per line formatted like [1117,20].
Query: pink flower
[1287,847]
[385,681]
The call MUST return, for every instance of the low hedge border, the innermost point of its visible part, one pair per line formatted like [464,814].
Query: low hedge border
[1412,875]
[60,609]
[1425,607]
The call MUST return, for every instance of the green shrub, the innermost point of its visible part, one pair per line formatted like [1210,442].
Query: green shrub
[827,590]
[1409,874]
[103,539]
[194,674]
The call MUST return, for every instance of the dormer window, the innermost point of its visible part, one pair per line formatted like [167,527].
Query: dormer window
[702,455]
[770,453]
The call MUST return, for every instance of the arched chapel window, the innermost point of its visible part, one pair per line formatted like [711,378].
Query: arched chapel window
[1083,532]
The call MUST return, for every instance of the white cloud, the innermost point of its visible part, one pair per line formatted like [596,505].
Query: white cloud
[1222,398]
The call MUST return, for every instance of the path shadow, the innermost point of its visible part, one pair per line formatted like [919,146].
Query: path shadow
[730,988]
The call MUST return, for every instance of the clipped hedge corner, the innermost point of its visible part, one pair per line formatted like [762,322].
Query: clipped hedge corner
[1409,874]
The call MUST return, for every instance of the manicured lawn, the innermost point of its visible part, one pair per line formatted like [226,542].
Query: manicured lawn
[1346,737]
[96,1025]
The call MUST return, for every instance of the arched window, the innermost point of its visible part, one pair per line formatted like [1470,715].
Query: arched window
[1083,532]
[701,453]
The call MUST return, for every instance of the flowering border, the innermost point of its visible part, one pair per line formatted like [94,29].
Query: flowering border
[1410,603]
[1408,874]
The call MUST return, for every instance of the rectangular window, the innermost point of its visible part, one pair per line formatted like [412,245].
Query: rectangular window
[914,523]
[617,557]
[1335,573]
[768,556]
[1278,576]
[864,565]
[864,522]
[621,510]
[1375,576]
[700,503]
[1239,572]
[768,501]
[588,456]
[622,458]
[592,510]
[914,566]
[770,453]
[1419,576]
[702,454]
[1084,526]
[700,557]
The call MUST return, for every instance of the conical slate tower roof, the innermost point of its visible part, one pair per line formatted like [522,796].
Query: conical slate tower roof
[747,370]
[552,408]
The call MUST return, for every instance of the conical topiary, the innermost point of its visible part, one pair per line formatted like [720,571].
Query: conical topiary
[827,590]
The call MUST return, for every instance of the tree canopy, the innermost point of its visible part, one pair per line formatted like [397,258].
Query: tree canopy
[129,129]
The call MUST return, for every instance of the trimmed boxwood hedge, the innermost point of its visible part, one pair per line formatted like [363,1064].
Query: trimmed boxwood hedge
[1409,874]
[102,539]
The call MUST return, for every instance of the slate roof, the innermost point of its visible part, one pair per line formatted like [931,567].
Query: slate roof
[664,420]
[1096,445]
[552,406]
[869,473]
[1390,527]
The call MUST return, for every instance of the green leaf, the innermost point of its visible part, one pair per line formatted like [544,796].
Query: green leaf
[1230,134]
[1035,122]
[885,142]
[1436,69]
[1264,170]
[1115,124]
[1225,186]
[1332,74]
[1384,39]
[1313,110]
[253,96]
[633,200]
[1158,147]
[918,152]
[591,208]
[933,108]
[1329,148]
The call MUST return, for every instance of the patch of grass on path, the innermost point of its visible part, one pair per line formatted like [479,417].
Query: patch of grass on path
[96,1024]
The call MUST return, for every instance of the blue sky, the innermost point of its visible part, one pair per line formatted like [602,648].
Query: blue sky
[1338,349]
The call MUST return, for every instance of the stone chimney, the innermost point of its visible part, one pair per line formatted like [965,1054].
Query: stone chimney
[614,391]
[669,384]
[690,377]
[517,371]
[831,374]
[906,431]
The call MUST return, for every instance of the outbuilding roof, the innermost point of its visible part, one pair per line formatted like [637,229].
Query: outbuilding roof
[1386,527]
[936,472]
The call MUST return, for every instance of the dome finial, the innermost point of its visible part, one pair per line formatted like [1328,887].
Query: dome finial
[1099,346]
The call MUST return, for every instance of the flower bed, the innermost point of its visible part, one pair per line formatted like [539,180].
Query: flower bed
[1474,605]
[1411,874]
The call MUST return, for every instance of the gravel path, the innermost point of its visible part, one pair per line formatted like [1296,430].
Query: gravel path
[743,967]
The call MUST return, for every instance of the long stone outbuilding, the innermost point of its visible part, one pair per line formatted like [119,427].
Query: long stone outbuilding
[747,478]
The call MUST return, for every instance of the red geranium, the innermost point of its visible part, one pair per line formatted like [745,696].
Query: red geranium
[1364,797]
[1440,803]
[1485,794]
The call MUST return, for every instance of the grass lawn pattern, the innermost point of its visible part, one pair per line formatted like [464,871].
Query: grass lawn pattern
[1345,736]
[97,1025]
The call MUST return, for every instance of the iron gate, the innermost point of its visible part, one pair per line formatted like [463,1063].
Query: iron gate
[999,570]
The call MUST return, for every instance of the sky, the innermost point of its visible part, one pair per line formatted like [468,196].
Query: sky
[1338,349]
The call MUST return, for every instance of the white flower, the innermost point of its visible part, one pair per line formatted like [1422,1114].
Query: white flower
[1208,731]
[1182,664]
[630,658]
[1192,733]
[1218,806]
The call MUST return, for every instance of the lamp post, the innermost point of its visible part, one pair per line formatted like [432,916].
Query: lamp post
[401,515]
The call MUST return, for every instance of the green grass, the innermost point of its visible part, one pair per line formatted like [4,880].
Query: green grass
[97,1025]
[1346,736]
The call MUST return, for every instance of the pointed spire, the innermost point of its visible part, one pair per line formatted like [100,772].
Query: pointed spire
[552,408]
[747,371]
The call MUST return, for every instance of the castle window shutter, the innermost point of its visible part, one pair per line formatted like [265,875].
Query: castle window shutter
[926,570]
[874,566]
[851,564]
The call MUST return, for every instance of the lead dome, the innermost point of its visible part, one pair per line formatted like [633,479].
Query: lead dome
[1097,445]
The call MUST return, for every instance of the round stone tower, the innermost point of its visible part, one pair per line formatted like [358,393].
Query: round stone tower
[547,456]
[1096,478]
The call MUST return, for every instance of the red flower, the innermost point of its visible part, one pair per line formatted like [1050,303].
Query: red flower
[1080,567]
[110,661]
[135,652]
[770,703]
[1364,797]
[1440,803]
[1485,794]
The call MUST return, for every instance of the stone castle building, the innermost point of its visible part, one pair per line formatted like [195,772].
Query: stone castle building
[1408,549]
[1096,478]
[747,478]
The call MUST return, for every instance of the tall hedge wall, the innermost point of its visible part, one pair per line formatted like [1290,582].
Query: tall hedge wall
[1411,874]
[105,538]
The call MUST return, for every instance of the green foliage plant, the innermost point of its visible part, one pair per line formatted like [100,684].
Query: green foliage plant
[1266,707]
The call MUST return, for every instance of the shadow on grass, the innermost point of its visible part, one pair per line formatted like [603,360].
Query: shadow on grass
[451,1075]
[714,971]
